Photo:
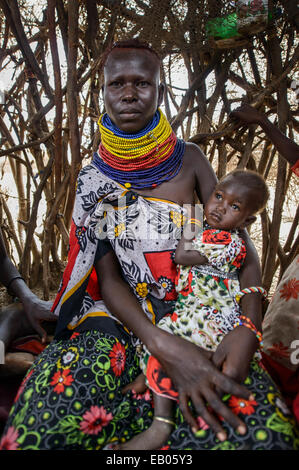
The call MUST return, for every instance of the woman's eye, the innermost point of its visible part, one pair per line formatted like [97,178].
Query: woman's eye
[115,84]
[218,196]
[142,84]
[235,207]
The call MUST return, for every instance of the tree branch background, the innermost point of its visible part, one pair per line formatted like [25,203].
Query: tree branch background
[50,63]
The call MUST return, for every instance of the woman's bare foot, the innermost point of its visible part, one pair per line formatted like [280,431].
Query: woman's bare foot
[153,438]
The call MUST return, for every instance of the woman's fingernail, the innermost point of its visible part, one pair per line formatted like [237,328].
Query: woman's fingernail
[251,398]
[194,430]
[221,436]
[242,429]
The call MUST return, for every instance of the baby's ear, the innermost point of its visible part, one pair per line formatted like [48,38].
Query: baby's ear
[248,221]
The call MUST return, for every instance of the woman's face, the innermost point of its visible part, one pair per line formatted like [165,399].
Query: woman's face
[131,88]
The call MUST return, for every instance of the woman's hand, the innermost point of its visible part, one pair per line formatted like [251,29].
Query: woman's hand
[196,378]
[36,311]
[247,114]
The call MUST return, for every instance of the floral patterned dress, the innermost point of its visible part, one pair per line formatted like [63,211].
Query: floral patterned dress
[72,396]
[206,308]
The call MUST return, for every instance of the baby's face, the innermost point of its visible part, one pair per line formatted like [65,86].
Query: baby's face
[229,206]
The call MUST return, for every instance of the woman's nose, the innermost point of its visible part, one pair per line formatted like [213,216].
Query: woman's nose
[129,94]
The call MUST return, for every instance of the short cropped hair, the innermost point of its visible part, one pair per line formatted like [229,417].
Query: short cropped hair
[133,43]
[256,185]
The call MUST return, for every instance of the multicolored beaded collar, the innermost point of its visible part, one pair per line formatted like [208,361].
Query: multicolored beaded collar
[141,160]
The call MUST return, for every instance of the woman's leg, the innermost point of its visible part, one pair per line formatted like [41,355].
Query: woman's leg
[72,399]
[72,396]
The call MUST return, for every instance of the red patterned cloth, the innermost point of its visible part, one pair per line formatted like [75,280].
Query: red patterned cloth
[281,335]
[295,168]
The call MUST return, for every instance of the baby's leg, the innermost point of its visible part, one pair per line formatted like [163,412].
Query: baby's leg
[159,431]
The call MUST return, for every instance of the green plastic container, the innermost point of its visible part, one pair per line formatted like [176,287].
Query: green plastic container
[222,28]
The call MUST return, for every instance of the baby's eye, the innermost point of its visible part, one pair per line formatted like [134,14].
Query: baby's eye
[218,196]
[235,207]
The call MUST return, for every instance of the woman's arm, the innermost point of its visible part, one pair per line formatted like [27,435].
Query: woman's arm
[192,372]
[285,146]
[35,308]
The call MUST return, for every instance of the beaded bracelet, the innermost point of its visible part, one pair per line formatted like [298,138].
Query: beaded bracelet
[248,323]
[250,290]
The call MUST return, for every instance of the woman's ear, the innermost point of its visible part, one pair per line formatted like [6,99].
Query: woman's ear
[248,221]
[161,93]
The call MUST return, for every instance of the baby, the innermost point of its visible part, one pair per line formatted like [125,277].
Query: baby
[208,289]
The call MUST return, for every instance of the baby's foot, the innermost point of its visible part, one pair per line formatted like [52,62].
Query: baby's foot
[153,438]
[138,385]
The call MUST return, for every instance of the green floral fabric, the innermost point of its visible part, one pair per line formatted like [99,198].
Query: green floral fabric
[71,399]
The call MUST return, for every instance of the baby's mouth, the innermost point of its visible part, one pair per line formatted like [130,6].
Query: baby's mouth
[216,216]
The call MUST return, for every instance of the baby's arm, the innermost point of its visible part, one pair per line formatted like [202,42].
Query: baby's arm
[184,254]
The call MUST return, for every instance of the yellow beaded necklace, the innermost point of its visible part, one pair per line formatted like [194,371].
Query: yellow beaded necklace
[127,148]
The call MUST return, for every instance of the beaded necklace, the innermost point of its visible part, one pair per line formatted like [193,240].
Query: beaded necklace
[140,160]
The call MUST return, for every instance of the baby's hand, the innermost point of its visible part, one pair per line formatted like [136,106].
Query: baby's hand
[235,352]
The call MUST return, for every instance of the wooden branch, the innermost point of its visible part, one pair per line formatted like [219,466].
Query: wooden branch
[254,67]
[57,95]
[295,223]
[248,148]
[25,264]
[59,222]
[63,22]
[195,84]
[12,13]
[282,108]
[11,225]
[48,228]
[18,148]
[72,109]
[92,27]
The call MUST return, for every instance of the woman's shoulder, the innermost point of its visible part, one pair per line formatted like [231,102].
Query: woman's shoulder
[194,152]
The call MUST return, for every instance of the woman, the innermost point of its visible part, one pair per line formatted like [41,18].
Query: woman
[72,396]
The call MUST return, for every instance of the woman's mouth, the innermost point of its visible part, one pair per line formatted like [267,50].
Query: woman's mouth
[129,112]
